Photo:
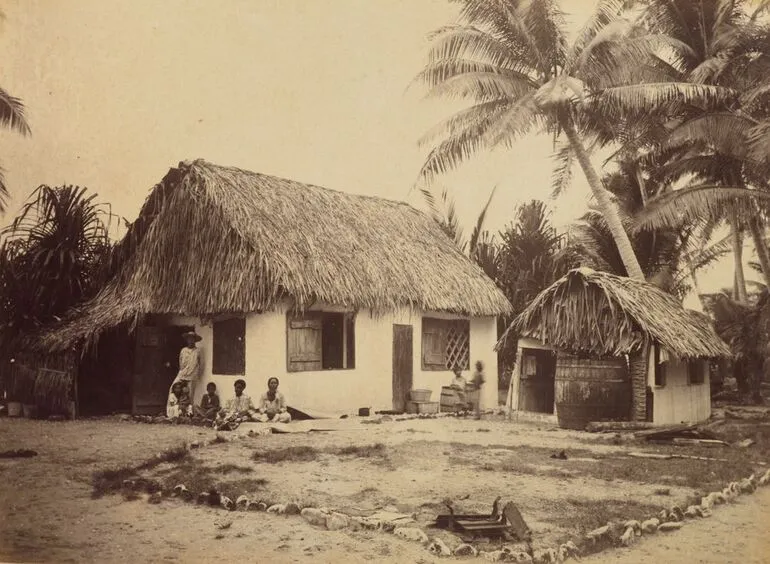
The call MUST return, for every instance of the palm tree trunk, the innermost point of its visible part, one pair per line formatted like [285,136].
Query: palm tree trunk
[741,295]
[760,245]
[638,361]
[639,368]
[607,207]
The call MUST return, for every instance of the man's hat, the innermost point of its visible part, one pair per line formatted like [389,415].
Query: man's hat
[192,334]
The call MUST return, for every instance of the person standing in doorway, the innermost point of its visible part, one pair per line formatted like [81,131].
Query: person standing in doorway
[189,364]
[478,383]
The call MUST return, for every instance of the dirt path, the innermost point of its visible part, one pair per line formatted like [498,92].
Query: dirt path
[738,533]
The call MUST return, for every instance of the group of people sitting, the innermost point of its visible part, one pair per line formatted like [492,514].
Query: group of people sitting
[270,408]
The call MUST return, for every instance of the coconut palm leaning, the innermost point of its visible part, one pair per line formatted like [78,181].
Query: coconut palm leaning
[512,60]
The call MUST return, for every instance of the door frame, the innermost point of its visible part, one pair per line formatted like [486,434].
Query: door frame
[166,358]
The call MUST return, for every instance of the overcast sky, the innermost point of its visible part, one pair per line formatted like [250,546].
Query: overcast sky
[118,91]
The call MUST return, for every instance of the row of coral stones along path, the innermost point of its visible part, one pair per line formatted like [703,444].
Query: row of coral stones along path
[612,534]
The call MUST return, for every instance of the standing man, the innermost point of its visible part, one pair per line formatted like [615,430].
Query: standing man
[478,382]
[189,364]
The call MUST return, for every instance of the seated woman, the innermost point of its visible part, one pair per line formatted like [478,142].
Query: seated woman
[237,410]
[272,404]
[178,404]
[459,385]
[209,406]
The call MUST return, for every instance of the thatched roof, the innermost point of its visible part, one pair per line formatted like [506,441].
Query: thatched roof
[606,315]
[212,239]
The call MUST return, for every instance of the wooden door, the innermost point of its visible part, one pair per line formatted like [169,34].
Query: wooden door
[402,365]
[155,367]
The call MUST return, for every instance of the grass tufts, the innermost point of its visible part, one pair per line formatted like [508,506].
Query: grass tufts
[363,451]
[110,480]
[288,454]
[228,468]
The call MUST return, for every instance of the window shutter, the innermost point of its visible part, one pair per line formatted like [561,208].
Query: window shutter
[229,347]
[304,344]
[433,345]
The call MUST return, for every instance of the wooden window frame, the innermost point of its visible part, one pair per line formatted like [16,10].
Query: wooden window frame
[695,366]
[659,369]
[228,367]
[348,344]
[442,327]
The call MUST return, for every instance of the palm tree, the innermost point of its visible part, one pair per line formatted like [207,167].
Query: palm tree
[511,58]
[716,43]
[532,255]
[53,256]
[11,117]
[444,214]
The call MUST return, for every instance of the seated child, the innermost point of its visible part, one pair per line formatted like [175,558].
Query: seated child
[209,406]
[178,402]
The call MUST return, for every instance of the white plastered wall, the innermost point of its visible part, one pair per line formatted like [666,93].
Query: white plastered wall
[369,384]
[679,401]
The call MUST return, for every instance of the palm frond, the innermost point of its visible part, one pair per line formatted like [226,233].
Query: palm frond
[695,204]
[471,43]
[12,113]
[515,122]
[478,116]
[761,8]
[605,13]
[723,132]
[642,98]
[758,141]
[562,173]
[482,85]
[464,138]
[756,97]
[478,228]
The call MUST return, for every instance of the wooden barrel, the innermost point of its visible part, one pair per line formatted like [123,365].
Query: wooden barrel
[449,400]
[591,390]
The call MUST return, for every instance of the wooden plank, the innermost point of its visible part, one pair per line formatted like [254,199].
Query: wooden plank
[664,429]
[613,426]
[704,442]
[671,456]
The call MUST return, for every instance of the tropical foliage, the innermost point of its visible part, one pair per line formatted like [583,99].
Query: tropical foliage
[677,89]
[52,256]
[532,255]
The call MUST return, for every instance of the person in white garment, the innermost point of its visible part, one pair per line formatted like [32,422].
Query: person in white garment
[189,365]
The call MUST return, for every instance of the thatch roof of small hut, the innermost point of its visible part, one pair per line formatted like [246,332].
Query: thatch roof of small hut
[212,239]
[597,313]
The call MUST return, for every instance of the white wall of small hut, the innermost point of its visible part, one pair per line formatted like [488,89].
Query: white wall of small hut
[675,402]
[369,384]
[678,400]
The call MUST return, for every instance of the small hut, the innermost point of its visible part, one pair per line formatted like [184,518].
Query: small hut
[352,301]
[597,346]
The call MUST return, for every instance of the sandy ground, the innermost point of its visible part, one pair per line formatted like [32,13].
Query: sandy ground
[47,514]
[735,534]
